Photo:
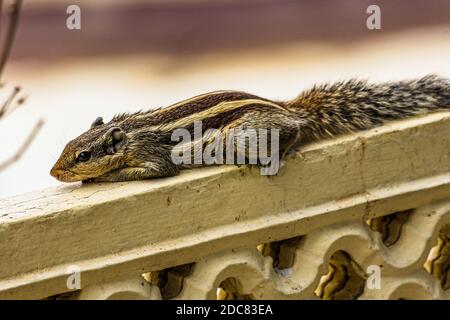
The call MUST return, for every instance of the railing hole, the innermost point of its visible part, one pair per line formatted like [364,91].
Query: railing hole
[345,279]
[229,289]
[282,252]
[63,296]
[438,261]
[390,226]
[169,280]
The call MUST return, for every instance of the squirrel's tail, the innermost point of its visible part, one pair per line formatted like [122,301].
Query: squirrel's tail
[355,105]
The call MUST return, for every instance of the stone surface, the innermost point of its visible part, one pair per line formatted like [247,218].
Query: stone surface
[118,230]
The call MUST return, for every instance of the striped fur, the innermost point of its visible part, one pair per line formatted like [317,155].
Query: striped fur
[138,145]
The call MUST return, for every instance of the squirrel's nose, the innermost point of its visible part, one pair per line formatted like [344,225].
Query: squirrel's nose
[54,172]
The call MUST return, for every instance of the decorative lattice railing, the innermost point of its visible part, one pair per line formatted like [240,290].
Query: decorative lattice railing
[364,216]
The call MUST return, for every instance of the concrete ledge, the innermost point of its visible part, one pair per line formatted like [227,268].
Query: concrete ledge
[120,229]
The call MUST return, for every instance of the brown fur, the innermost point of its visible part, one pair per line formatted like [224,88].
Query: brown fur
[138,145]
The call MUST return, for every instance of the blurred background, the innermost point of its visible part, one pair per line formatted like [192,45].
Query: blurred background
[132,55]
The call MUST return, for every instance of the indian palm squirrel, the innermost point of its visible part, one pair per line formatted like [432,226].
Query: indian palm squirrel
[136,146]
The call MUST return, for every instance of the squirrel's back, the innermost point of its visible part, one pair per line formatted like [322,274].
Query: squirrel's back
[355,105]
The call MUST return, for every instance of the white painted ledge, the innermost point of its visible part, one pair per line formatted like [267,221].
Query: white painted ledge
[123,229]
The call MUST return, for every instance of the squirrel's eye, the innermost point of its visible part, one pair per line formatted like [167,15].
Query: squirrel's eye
[84,156]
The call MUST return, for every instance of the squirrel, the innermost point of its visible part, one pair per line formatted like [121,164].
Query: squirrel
[136,146]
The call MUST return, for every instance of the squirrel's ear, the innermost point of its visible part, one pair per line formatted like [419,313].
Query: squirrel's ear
[112,139]
[97,122]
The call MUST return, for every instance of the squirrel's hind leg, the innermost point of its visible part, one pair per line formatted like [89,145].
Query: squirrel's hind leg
[288,136]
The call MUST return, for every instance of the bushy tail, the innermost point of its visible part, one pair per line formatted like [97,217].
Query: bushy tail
[356,105]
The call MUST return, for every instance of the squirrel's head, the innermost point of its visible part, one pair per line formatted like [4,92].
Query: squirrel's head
[92,154]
